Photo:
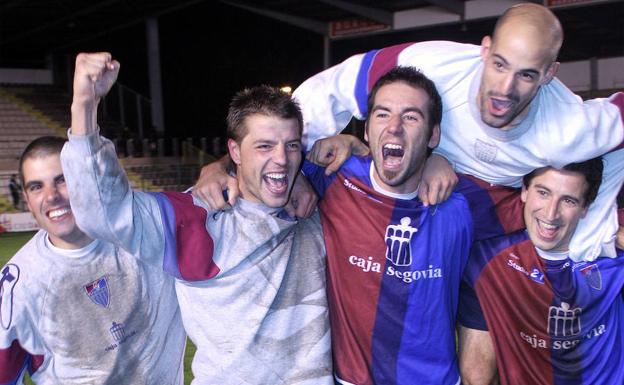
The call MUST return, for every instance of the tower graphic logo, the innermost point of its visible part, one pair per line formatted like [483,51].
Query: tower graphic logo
[118,331]
[398,242]
[563,321]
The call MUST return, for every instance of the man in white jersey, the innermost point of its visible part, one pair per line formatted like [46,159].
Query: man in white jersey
[250,281]
[74,310]
[504,114]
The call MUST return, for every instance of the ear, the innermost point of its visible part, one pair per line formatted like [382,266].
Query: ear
[434,140]
[551,72]
[523,194]
[234,150]
[366,131]
[486,43]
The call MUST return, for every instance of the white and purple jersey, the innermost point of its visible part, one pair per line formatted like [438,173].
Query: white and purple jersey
[559,128]
[250,281]
[552,321]
[95,315]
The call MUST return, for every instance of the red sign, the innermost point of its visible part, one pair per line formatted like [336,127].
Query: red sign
[354,27]
[554,3]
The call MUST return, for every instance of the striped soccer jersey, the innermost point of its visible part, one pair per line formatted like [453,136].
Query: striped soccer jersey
[394,269]
[552,322]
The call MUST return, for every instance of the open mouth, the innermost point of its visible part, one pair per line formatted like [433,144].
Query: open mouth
[499,107]
[547,230]
[392,154]
[277,182]
[59,214]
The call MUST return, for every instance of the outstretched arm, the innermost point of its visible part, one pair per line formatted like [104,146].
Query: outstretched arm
[94,76]
[104,205]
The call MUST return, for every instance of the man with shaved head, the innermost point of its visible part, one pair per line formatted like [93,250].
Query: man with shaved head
[504,115]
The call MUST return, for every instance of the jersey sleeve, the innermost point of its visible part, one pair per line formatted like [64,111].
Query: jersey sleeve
[331,98]
[315,174]
[189,248]
[496,210]
[18,336]
[104,204]
[168,230]
[469,313]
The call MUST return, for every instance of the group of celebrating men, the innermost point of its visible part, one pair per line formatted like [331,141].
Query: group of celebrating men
[457,223]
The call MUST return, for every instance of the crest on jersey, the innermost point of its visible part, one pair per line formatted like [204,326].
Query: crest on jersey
[485,151]
[98,292]
[593,276]
[398,242]
[563,321]
[9,275]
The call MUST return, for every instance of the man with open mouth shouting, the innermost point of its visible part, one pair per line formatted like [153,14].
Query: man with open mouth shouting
[250,281]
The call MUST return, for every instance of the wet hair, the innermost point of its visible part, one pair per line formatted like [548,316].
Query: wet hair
[590,169]
[39,148]
[416,79]
[264,100]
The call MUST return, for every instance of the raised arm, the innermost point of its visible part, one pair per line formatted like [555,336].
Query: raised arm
[102,201]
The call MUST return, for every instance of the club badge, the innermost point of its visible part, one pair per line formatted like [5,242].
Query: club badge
[98,291]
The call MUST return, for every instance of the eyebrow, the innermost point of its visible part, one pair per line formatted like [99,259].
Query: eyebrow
[565,196]
[408,109]
[531,70]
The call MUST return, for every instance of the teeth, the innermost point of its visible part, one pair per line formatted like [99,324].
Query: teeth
[548,226]
[275,175]
[391,149]
[58,212]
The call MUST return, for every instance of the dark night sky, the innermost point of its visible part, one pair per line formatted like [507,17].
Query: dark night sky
[211,50]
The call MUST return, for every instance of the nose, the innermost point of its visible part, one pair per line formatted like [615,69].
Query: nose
[52,194]
[395,125]
[552,209]
[508,83]
[279,155]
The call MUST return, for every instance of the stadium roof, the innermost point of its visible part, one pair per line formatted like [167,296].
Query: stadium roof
[32,29]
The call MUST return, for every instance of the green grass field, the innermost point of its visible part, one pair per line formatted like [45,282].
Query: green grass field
[11,242]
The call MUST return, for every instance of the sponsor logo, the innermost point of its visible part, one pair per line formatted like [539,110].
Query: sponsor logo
[98,291]
[537,342]
[564,329]
[118,332]
[535,274]
[369,265]
[9,275]
[593,276]
[563,321]
[352,186]
[398,239]
[398,242]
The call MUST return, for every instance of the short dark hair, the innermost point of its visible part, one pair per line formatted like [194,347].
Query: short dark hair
[265,100]
[38,148]
[591,169]
[412,77]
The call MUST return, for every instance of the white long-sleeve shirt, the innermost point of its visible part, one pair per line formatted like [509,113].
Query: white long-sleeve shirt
[559,129]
